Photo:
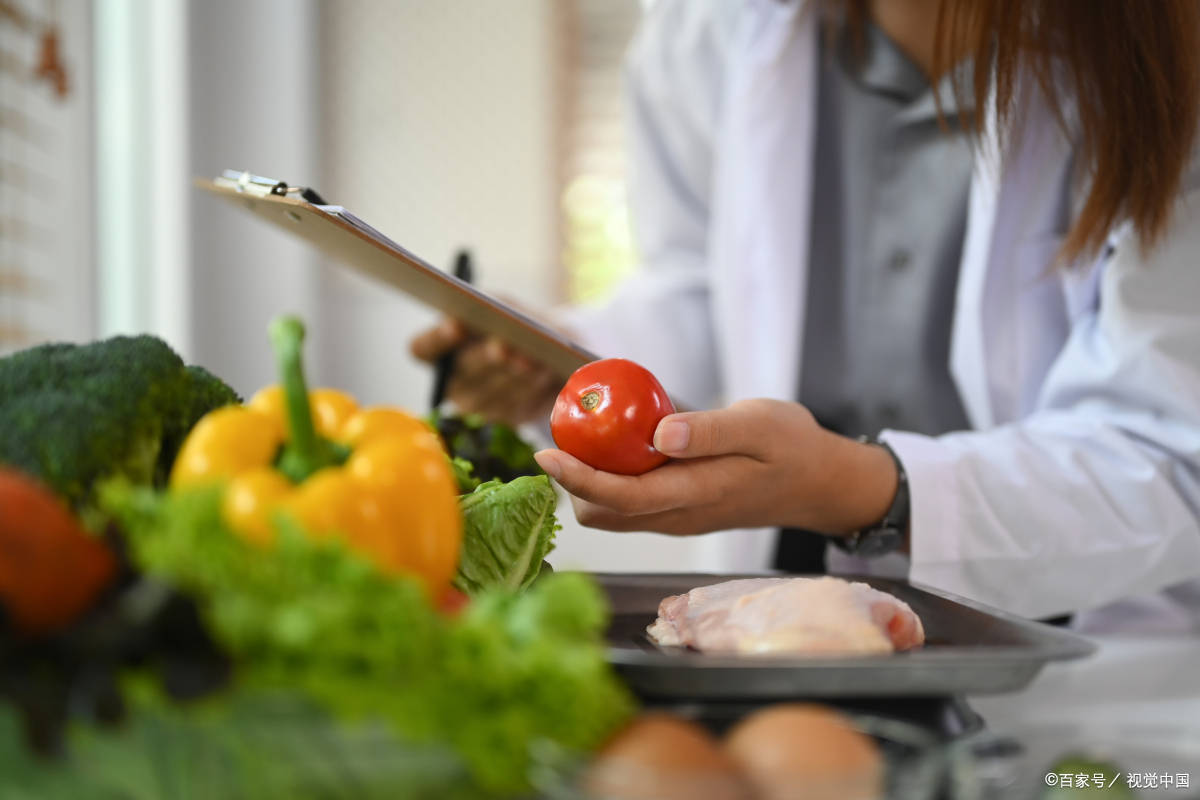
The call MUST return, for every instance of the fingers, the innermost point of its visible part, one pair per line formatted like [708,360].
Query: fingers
[480,358]
[677,522]
[595,516]
[507,396]
[682,498]
[495,381]
[743,428]
[435,342]
[666,488]
[580,480]
[537,399]
[625,494]
[489,377]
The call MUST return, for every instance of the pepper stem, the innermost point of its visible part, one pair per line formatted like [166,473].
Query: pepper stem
[305,451]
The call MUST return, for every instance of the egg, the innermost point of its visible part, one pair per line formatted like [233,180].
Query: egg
[662,757]
[794,751]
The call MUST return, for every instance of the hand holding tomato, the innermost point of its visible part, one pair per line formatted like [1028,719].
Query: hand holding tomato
[606,415]
[757,463]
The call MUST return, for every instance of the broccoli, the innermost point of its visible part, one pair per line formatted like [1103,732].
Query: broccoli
[72,415]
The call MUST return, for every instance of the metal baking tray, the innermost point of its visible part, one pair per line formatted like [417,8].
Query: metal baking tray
[969,649]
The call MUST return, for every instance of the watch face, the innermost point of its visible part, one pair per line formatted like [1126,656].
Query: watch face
[878,542]
[872,543]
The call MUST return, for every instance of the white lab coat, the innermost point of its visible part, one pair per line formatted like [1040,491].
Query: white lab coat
[1081,482]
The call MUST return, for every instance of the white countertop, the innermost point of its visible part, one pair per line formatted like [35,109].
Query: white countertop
[1142,680]
[1135,704]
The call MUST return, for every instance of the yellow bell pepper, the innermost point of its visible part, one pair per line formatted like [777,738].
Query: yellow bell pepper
[377,477]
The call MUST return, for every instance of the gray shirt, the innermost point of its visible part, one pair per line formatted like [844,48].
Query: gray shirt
[889,215]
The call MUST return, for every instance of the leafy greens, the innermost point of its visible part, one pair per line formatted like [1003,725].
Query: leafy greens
[512,671]
[508,528]
[494,450]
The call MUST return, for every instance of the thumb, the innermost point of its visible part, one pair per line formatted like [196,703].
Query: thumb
[695,434]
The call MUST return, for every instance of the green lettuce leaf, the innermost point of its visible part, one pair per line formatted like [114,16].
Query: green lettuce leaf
[508,528]
[464,475]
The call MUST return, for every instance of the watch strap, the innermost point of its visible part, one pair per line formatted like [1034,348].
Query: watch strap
[888,534]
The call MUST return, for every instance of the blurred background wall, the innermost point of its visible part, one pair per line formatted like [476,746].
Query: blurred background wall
[444,123]
[439,128]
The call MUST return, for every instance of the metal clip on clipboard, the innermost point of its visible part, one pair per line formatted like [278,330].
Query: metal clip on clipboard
[260,186]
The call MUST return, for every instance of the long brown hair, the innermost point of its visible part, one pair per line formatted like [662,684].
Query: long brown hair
[1128,70]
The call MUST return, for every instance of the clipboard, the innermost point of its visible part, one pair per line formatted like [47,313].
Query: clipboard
[348,240]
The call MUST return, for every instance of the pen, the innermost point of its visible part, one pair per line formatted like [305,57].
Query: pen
[445,365]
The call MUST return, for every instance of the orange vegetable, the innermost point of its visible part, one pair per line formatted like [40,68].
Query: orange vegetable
[51,569]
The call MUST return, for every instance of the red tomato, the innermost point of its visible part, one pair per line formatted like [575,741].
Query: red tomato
[51,570]
[606,415]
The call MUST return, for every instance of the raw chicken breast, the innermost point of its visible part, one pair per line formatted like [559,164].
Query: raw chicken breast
[828,616]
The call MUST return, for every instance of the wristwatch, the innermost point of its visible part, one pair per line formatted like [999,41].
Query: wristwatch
[888,535]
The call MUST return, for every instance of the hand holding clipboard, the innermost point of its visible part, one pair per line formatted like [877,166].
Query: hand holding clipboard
[495,380]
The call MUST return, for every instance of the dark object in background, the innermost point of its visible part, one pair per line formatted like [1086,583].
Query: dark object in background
[445,365]
[51,680]
[494,449]
[800,552]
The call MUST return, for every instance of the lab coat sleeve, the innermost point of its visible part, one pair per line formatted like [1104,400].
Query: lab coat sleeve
[660,317]
[1095,495]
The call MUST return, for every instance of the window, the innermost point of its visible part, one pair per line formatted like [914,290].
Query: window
[45,166]
[597,244]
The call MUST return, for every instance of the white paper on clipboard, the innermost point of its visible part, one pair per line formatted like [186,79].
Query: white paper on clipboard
[348,240]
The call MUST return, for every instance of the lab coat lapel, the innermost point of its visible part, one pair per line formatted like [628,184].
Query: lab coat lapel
[759,232]
[968,365]
[761,198]
[1010,318]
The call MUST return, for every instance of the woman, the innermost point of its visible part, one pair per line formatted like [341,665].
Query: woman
[1013,311]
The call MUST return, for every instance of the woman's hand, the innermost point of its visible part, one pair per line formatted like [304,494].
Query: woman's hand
[757,463]
[489,377]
